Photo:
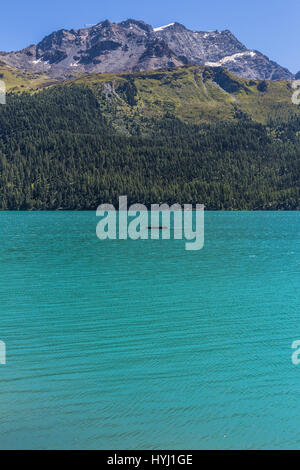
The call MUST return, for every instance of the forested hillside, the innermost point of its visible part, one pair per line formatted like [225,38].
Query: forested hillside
[76,145]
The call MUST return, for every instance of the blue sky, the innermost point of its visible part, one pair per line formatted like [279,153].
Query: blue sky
[271,26]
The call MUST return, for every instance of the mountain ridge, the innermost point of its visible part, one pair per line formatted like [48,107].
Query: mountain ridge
[133,45]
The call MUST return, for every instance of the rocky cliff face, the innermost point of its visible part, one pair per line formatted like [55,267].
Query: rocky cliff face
[199,46]
[214,48]
[135,46]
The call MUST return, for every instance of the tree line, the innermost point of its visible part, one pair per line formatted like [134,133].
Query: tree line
[57,151]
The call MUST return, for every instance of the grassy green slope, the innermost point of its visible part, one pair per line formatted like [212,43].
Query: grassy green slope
[17,81]
[194,94]
[185,135]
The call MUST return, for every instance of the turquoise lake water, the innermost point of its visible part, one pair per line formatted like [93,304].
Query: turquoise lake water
[143,345]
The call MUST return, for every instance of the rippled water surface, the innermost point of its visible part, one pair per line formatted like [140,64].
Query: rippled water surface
[141,344]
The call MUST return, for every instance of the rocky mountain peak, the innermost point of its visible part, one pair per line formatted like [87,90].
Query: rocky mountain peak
[134,45]
[171,27]
[140,24]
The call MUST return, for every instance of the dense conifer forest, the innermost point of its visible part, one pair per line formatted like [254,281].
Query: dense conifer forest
[59,151]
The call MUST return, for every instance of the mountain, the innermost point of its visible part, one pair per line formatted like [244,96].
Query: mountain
[132,46]
[189,135]
[106,47]
[214,48]
[193,94]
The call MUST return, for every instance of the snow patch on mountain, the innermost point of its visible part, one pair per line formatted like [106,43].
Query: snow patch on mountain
[161,28]
[231,58]
[133,45]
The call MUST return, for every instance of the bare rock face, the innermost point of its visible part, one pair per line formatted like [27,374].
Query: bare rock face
[135,46]
[220,49]
[105,47]
[199,46]
[253,64]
